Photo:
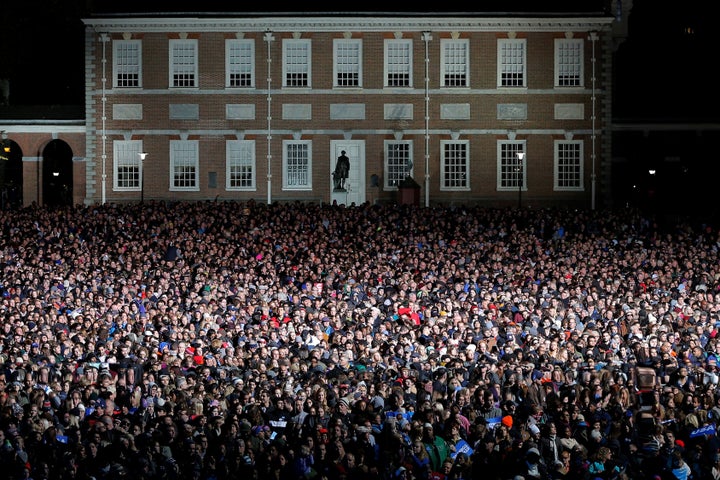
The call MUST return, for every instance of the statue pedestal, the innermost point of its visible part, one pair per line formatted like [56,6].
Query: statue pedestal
[339,196]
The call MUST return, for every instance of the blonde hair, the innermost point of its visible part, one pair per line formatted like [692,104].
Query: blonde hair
[197,407]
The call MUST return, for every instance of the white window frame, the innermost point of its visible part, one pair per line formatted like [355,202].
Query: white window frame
[301,179]
[127,166]
[299,52]
[240,155]
[127,61]
[394,171]
[185,154]
[239,60]
[569,62]
[186,64]
[508,174]
[347,55]
[512,60]
[455,60]
[562,165]
[455,172]
[398,60]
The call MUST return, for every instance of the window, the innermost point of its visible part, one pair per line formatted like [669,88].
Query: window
[296,63]
[511,170]
[398,63]
[568,62]
[127,64]
[183,63]
[184,165]
[398,162]
[454,165]
[297,165]
[511,62]
[240,63]
[127,164]
[454,64]
[348,62]
[569,165]
[240,165]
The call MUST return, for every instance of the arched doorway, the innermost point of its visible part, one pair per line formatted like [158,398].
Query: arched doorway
[11,175]
[57,174]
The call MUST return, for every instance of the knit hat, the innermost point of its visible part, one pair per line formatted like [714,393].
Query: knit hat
[507,420]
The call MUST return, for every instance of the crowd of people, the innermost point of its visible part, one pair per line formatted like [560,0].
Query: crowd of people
[225,340]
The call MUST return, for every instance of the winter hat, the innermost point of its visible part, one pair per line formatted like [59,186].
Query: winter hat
[507,420]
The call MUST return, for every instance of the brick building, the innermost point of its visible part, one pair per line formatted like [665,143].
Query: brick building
[476,109]
[490,109]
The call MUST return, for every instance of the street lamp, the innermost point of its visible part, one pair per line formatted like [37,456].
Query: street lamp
[520,156]
[143,156]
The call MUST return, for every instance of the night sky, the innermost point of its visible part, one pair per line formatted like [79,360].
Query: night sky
[660,69]
[42,45]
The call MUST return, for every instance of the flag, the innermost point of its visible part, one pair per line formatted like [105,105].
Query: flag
[705,430]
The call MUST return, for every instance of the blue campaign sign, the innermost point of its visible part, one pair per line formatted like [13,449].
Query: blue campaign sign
[462,447]
[406,415]
[493,422]
[706,430]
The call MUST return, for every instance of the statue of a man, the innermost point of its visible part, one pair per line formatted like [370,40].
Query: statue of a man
[342,169]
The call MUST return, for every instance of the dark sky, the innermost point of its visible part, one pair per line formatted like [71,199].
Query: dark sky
[661,70]
[664,68]
[42,45]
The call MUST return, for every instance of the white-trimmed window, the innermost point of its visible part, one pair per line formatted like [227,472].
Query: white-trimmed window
[239,63]
[398,63]
[454,63]
[127,63]
[454,167]
[127,166]
[348,62]
[511,62]
[510,168]
[398,161]
[297,165]
[183,63]
[569,165]
[296,63]
[569,58]
[184,165]
[241,168]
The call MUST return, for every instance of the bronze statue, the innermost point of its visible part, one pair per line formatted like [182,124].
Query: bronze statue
[342,169]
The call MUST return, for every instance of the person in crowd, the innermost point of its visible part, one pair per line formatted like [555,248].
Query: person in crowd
[237,339]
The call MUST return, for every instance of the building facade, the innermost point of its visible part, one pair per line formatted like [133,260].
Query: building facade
[42,162]
[494,111]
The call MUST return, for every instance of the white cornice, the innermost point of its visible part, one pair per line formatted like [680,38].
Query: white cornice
[345,24]
[44,126]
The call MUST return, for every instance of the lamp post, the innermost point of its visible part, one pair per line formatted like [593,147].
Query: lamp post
[520,156]
[143,156]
